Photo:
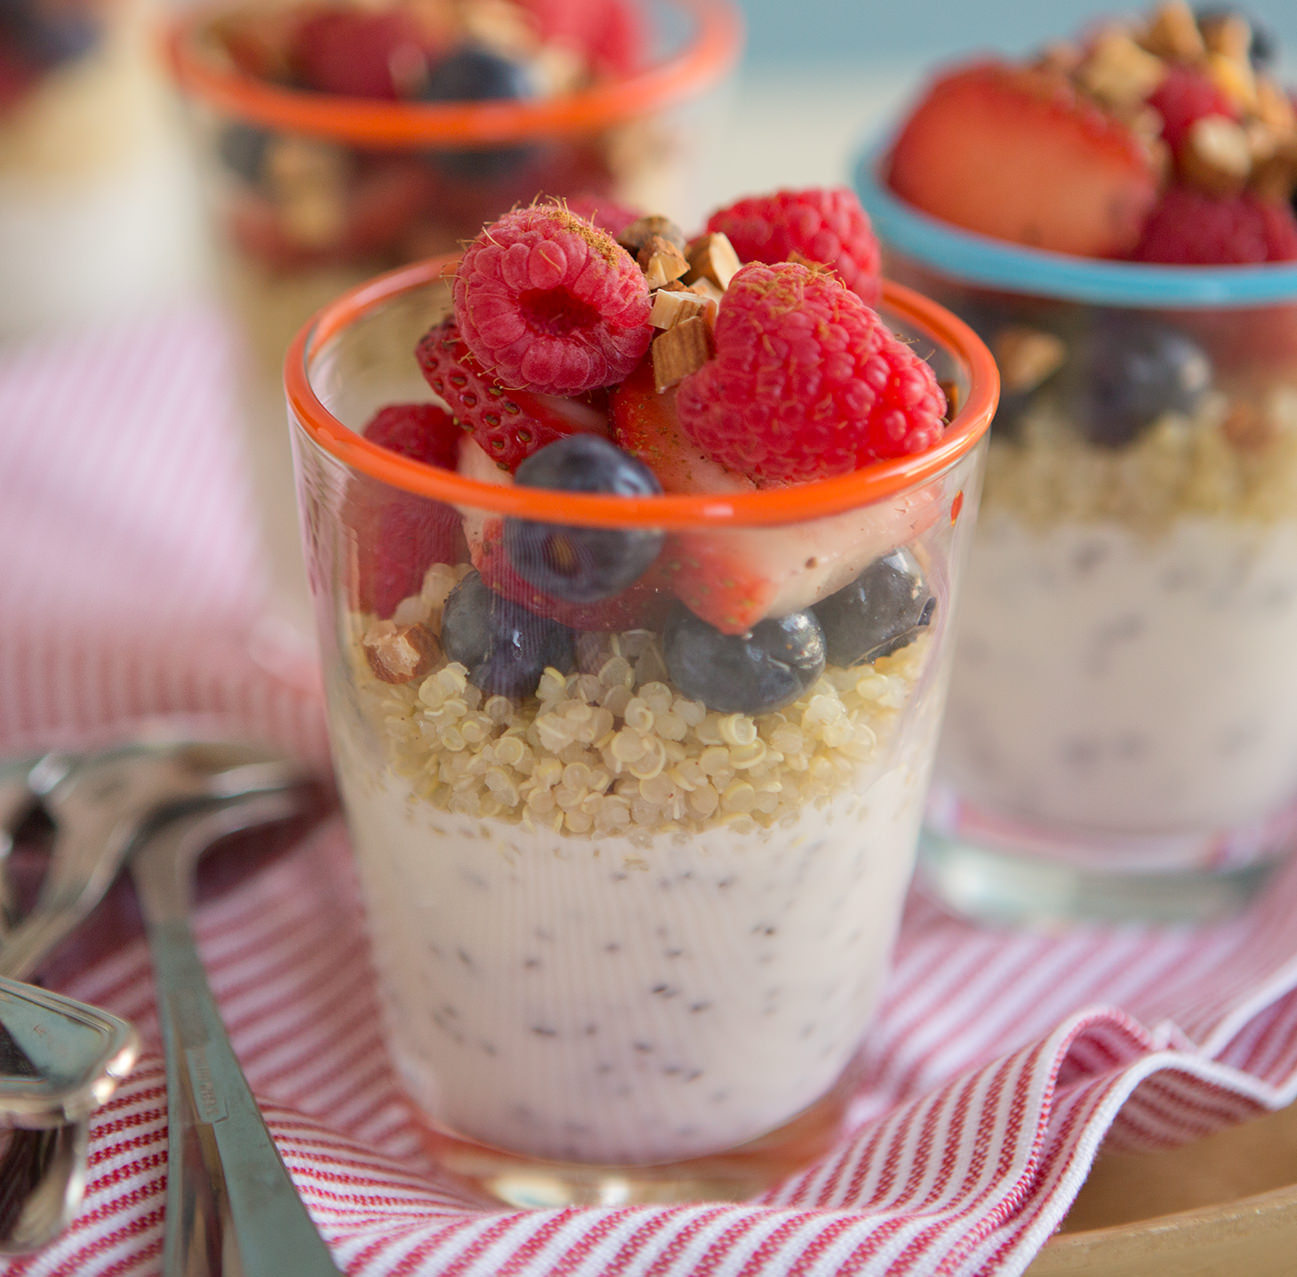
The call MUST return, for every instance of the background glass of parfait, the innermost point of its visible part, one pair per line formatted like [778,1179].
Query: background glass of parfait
[593,905]
[1121,736]
[308,193]
[93,214]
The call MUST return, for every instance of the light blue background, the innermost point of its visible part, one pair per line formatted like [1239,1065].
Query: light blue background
[805,32]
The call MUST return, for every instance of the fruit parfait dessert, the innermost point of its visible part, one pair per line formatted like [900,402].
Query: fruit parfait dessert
[635,557]
[1114,216]
[344,137]
[86,160]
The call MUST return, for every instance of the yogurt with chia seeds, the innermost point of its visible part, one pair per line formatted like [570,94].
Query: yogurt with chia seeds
[609,1000]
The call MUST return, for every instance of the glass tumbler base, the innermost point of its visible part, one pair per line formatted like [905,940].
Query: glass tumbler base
[993,885]
[729,1176]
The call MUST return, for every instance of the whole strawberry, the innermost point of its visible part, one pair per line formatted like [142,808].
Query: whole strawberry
[827,226]
[807,381]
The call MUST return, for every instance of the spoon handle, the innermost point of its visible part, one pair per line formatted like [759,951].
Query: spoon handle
[227,1187]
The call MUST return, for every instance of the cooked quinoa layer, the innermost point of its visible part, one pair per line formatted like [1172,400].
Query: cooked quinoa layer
[1231,459]
[614,748]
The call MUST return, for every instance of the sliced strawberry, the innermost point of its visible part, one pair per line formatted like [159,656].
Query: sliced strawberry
[642,606]
[509,425]
[1018,154]
[734,578]
[398,535]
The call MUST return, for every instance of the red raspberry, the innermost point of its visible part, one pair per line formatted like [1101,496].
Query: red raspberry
[1184,96]
[352,53]
[605,212]
[807,381]
[1191,228]
[548,302]
[508,425]
[398,535]
[825,226]
[608,34]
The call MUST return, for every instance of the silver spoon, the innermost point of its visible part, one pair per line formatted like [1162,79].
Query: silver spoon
[231,1204]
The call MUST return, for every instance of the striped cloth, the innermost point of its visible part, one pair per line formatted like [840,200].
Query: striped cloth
[998,1063]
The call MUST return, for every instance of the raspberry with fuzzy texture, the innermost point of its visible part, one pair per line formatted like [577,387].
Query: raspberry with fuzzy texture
[1184,97]
[1192,228]
[824,226]
[549,303]
[353,53]
[807,381]
[508,425]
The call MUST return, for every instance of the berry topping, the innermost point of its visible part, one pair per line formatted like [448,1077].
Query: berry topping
[508,425]
[1190,227]
[750,673]
[582,564]
[1021,155]
[473,73]
[354,52]
[504,647]
[1126,372]
[550,303]
[400,535]
[882,610]
[824,226]
[1185,96]
[807,381]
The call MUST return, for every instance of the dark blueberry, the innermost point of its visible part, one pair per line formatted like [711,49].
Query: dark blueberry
[505,647]
[1262,50]
[46,35]
[582,565]
[882,610]
[242,148]
[1126,371]
[473,73]
[769,666]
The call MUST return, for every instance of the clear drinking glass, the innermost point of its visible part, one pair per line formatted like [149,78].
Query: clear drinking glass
[309,194]
[628,945]
[1121,738]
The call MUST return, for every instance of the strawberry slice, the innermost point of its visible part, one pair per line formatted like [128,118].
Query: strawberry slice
[1018,154]
[509,425]
[398,535]
[734,578]
[642,606]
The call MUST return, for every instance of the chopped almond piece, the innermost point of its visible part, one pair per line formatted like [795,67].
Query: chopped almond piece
[1217,156]
[680,350]
[1174,34]
[672,306]
[661,261]
[712,257]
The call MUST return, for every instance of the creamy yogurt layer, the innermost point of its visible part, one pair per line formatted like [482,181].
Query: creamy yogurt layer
[1118,682]
[629,1000]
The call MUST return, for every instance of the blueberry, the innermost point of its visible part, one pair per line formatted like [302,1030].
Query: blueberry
[769,666]
[473,73]
[243,148]
[582,565]
[505,647]
[1126,371]
[881,611]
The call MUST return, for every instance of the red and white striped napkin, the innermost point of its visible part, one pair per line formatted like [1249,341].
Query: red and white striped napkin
[998,1063]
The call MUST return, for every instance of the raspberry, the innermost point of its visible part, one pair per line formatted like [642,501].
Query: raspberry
[1184,96]
[807,381]
[825,226]
[508,425]
[398,535]
[356,54]
[550,303]
[1191,228]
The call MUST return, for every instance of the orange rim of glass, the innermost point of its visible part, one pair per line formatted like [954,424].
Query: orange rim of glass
[703,61]
[796,503]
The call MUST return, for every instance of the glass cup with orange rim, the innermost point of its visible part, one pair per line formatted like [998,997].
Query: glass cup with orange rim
[628,937]
[311,192]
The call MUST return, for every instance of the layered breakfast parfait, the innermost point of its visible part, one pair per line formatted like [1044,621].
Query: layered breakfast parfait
[343,137]
[86,159]
[1124,707]
[635,627]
